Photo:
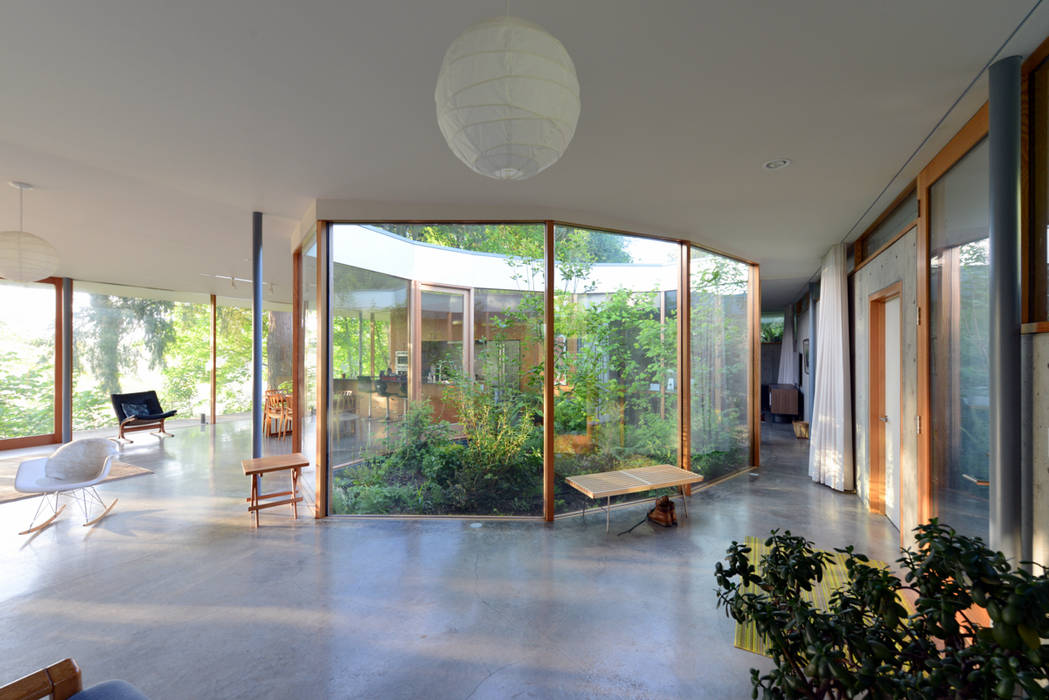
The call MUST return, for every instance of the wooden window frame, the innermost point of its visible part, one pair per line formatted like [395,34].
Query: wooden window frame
[1034,306]
[858,258]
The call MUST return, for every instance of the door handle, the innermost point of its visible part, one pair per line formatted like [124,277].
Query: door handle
[883,419]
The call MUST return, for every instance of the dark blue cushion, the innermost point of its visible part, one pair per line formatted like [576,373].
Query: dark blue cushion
[136,410]
[110,690]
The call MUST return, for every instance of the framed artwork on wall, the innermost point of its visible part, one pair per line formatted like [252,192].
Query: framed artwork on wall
[805,354]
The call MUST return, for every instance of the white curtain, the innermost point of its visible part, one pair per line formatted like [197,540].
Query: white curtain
[788,358]
[830,442]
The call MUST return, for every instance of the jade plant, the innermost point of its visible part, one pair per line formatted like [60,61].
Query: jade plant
[867,644]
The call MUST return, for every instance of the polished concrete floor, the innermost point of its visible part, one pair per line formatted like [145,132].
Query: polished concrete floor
[176,592]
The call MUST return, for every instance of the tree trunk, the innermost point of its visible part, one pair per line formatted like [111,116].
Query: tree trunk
[278,349]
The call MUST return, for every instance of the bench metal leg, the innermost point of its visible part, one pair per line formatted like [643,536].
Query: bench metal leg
[684,501]
[608,510]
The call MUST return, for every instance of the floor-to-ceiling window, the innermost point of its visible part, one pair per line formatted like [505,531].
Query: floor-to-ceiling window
[615,355]
[309,335]
[719,368]
[234,353]
[959,333]
[436,346]
[129,339]
[27,362]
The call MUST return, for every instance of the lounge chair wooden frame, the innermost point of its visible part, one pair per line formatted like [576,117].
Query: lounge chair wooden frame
[59,681]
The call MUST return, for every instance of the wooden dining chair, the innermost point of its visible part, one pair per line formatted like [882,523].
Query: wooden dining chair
[273,411]
[287,414]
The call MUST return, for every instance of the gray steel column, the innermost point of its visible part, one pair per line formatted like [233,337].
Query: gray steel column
[1005,455]
[256,334]
[1027,449]
[67,359]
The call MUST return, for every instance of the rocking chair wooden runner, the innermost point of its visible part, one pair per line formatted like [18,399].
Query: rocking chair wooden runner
[139,410]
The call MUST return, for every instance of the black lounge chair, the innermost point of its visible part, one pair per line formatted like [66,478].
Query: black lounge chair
[139,410]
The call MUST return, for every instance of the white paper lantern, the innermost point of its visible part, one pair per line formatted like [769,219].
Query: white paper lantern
[25,257]
[507,98]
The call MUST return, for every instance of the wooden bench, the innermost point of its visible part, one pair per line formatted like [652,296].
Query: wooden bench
[624,481]
[255,468]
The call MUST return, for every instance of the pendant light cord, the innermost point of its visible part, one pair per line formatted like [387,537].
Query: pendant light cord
[21,210]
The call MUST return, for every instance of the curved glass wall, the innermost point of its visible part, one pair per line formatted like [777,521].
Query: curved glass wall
[437,347]
[438,340]
[615,356]
[720,344]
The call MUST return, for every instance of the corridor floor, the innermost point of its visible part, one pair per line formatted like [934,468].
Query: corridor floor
[176,593]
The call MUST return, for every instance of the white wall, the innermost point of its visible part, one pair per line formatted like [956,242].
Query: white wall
[897,264]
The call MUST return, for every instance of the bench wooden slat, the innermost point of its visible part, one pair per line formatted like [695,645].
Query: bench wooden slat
[625,481]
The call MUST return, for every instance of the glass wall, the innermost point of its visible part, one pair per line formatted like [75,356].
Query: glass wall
[438,347]
[129,339]
[233,354]
[437,350]
[309,336]
[959,327]
[615,355]
[370,361]
[27,359]
[893,224]
[720,355]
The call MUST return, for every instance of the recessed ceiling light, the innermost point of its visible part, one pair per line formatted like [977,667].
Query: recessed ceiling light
[777,164]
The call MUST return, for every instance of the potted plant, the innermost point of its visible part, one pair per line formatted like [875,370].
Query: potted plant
[866,644]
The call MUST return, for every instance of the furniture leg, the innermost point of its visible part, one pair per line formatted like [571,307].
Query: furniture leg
[294,493]
[608,513]
[255,496]
[684,501]
[41,526]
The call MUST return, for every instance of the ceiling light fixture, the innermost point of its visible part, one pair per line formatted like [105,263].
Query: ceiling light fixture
[777,164]
[23,256]
[507,98]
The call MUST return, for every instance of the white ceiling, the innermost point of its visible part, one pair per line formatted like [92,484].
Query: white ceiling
[152,130]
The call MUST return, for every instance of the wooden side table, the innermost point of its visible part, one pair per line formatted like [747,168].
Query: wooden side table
[255,468]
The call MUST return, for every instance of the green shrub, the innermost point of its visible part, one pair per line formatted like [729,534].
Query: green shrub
[866,645]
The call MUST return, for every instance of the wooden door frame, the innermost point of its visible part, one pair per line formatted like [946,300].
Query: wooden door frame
[468,319]
[876,399]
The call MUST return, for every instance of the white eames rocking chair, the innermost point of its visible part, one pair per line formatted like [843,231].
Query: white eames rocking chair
[72,471]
